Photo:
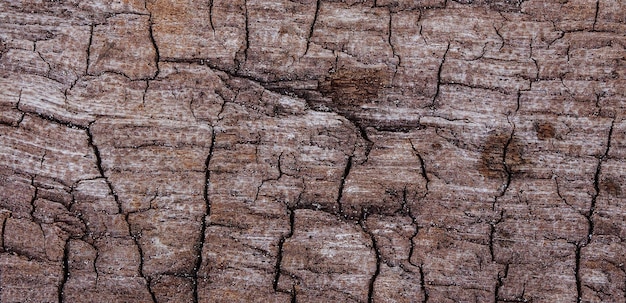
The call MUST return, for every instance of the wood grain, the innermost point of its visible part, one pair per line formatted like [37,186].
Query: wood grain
[312,151]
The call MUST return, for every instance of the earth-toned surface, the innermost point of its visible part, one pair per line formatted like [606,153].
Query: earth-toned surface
[313,151]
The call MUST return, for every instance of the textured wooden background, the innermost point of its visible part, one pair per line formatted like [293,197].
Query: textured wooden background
[312,151]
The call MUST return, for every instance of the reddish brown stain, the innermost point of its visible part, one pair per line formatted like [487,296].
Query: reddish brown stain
[611,186]
[545,130]
[354,87]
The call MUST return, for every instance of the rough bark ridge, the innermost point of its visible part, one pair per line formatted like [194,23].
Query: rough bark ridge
[312,151]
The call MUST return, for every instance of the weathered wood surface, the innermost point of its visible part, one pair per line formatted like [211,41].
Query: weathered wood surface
[312,151]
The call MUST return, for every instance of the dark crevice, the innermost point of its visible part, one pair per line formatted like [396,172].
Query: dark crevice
[595,19]
[579,292]
[507,170]
[443,60]
[292,93]
[211,15]
[119,208]
[154,44]
[34,198]
[95,261]
[370,292]
[280,175]
[293,294]
[590,213]
[279,257]
[207,202]
[312,28]
[422,164]
[342,182]
[492,231]
[499,35]
[45,61]
[500,283]
[407,209]
[145,92]
[141,260]
[96,152]
[247,42]
[43,158]
[91,27]
[4,228]
[558,193]
[596,185]
[55,120]
[368,143]
[66,270]
[393,49]
[423,284]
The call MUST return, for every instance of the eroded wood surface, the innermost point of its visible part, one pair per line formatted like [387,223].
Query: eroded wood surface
[312,151]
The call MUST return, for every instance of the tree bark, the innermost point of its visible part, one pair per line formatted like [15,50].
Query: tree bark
[312,151]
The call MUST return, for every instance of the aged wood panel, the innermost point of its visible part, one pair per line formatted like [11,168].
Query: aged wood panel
[313,151]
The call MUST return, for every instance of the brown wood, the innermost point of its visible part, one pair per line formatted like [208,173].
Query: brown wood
[312,151]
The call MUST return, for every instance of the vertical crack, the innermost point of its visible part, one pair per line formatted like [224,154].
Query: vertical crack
[500,283]
[393,49]
[492,231]
[141,260]
[154,44]
[205,195]
[346,172]
[293,294]
[91,27]
[370,292]
[499,35]
[312,28]
[423,284]
[595,19]
[407,209]
[43,59]
[247,46]
[579,291]
[279,257]
[66,270]
[4,225]
[119,208]
[422,165]
[443,60]
[145,92]
[590,213]
[368,143]
[507,169]
[34,198]
[96,152]
[211,15]
[424,174]
[95,268]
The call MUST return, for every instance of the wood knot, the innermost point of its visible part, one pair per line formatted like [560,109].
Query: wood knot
[612,187]
[501,154]
[545,130]
[350,88]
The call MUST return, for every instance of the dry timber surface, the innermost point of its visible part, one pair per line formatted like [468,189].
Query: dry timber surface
[312,151]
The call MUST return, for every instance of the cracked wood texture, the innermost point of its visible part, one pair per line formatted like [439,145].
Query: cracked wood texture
[312,151]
